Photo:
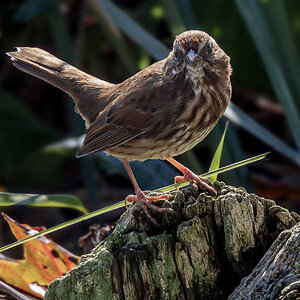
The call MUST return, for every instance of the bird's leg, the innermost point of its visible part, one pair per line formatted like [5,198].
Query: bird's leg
[142,198]
[188,175]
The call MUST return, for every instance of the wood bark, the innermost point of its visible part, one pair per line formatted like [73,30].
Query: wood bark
[203,251]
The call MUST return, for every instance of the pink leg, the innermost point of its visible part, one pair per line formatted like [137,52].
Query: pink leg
[188,175]
[142,198]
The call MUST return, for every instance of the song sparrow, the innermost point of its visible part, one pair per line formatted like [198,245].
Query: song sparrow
[160,112]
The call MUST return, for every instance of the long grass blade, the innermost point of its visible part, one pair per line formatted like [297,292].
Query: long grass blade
[236,165]
[244,162]
[65,224]
[121,204]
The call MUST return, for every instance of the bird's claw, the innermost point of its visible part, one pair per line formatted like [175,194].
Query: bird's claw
[146,202]
[193,179]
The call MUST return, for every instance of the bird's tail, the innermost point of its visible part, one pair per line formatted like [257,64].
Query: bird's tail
[85,89]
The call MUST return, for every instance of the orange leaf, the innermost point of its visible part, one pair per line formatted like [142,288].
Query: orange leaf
[43,261]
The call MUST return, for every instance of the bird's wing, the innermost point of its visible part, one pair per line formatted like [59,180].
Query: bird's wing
[131,113]
[113,127]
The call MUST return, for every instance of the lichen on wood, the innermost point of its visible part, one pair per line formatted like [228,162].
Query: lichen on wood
[202,251]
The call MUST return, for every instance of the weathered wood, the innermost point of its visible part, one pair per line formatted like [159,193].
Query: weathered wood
[202,252]
[277,276]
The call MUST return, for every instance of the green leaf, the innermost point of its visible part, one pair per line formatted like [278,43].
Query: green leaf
[55,200]
[121,204]
[215,164]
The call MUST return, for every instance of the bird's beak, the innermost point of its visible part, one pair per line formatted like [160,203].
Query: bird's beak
[191,55]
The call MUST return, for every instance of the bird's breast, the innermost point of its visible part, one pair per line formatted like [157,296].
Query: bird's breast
[178,131]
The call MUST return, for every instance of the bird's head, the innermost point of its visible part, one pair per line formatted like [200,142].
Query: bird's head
[197,51]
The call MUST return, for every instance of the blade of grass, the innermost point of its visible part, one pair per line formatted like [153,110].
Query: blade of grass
[56,200]
[232,151]
[65,224]
[215,164]
[121,204]
[215,172]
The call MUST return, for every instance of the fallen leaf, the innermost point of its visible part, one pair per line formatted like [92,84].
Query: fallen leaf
[43,261]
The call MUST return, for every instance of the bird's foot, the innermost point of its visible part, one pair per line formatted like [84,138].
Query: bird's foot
[192,178]
[146,202]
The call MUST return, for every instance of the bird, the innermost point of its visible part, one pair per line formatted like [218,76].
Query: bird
[160,112]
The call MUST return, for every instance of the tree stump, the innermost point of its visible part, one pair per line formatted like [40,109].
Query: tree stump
[203,251]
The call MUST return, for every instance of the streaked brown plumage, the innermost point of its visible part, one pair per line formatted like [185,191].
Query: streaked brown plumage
[160,112]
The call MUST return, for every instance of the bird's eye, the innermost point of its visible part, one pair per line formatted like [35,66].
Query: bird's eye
[178,53]
[209,48]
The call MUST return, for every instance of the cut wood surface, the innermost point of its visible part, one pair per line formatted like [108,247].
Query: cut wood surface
[203,251]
